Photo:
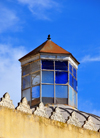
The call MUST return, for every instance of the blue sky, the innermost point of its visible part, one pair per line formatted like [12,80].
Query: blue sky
[73,25]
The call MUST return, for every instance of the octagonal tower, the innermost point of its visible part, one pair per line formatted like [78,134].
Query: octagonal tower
[49,75]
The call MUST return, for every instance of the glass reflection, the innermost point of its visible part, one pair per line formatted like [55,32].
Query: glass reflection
[35,92]
[47,77]
[61,65]
[61,77]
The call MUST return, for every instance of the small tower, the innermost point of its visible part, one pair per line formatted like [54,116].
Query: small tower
[49,75]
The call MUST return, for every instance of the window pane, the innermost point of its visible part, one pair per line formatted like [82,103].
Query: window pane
[74,72]
[70,68]
[47,77]
[61,77]
[71,96]
[74,98]
[35,78]
[26,69]
[70,80]
[61,91]
[35,92]
[47,64]
[47,90]
[35,66]
[26,93]
[61,65]
[26,81]
[74,84]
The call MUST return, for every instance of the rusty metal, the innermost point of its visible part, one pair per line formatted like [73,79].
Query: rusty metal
[48,47]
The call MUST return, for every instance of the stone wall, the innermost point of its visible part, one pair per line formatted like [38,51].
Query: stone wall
[20,122]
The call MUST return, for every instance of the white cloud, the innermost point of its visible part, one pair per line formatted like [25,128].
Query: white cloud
[88,58]
[88,107]
[10,71]
[8,19]
[96,112]
[40,8]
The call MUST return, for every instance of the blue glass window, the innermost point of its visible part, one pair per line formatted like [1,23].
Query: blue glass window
[47,77]
[74,84]
[70,94]
[47,64]
[36,92]
[61,91]
[74,98]
[76,87]
[70,68]
[61,77]
[26,81]
[61,65]
[47,90]
[74,72]
[70,80]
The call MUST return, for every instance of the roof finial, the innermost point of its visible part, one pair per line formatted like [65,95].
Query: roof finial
[49,37]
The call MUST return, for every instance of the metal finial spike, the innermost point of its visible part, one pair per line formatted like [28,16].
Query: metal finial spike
[49,37]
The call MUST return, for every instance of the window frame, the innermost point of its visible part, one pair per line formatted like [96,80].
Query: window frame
[54,83]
